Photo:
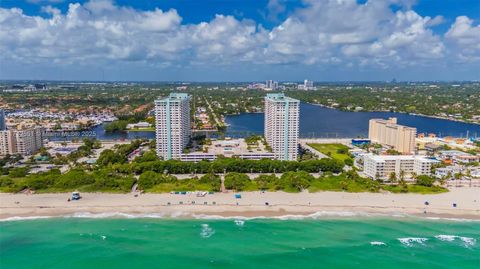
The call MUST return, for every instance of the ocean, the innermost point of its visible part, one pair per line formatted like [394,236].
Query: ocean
[290,242]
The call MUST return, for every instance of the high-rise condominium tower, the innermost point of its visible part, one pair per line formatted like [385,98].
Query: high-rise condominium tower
[281,125]
[2,120]
[173,130]
[271,85]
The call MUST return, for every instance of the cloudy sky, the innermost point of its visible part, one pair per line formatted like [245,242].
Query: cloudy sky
[240,40]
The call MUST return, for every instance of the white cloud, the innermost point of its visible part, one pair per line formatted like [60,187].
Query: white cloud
[274,9]
[464,32]
[437,20]
[366,33]
[324,32]
[465,39]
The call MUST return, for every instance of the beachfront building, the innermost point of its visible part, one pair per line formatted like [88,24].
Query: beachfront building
[23,141]
[389,133]
[382,166]
[282,125]
[173,129]
[3,125]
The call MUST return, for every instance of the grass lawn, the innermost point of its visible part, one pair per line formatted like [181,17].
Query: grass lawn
[180,186]
[415,189]
[340,183]
[332,150]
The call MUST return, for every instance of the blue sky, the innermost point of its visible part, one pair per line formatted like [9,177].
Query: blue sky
[240,40]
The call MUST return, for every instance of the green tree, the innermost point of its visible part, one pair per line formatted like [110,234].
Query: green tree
[149,156]
[236,181]
[108,157]
[213,180]
[74,179]
[348,162]
[18,172]
[298,181]
[264,181]
[425,180]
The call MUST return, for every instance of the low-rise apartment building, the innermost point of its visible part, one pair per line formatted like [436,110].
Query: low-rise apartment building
[457,156]
[382,166]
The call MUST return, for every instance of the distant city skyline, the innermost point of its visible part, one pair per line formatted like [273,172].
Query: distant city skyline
[240,41]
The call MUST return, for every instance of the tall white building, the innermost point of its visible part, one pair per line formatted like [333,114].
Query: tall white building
[307,85]
[24,142]
[282,125]
[173,129]
[271,85]
[382,166]
[2,120]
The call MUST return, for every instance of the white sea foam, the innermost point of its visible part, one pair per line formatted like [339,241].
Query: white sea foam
[103,237]
[454,219]
[444,237]
[239,222]
[377,243]
[125,215]
[411,241]
[206,231]
[180,214]
[218,217]
[90,215]
[321,214]
[183,214]
[468,241]
[25,218]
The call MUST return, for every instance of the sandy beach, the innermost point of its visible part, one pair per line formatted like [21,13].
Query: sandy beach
[251,204]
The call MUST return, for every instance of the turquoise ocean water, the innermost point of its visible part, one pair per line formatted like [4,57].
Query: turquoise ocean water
[257,243]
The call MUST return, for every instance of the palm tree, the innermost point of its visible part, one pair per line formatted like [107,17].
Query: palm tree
[443,180]
[469,176]
[402,177]
[458,177]
[449,175]
[414,176]
[392,177]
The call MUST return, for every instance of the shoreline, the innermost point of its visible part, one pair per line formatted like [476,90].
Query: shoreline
[252,205]
[407,113]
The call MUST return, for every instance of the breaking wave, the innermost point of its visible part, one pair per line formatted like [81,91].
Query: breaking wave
[206,231]
[411,241]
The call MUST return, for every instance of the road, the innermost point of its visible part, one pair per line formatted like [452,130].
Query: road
[217,121]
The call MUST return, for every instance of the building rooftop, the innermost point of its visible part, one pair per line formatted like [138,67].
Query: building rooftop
[455,153]
[380,158]
[391,123]
[280,97]
[174,96]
